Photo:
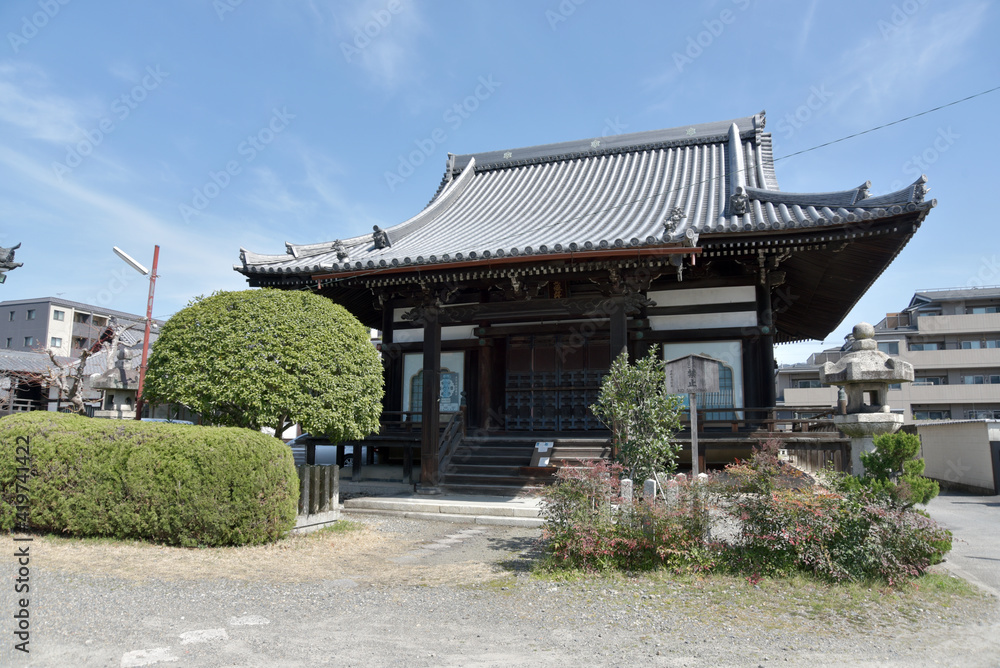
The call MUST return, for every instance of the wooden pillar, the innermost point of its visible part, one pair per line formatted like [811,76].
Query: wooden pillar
[619,330]
[765,319]
[484,386]
[430,417]
[389,359]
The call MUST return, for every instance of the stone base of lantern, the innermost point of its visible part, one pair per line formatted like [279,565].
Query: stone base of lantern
[863,428]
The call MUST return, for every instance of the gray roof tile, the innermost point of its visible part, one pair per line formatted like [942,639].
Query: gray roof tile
[596,193]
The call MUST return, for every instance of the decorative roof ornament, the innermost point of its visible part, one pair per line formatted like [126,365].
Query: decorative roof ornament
[673,219]
[340,250]
[507,155]
[7,258]
[738,202]
[596,143]
[380,237]
[691,132]
[919,191]
[864,191]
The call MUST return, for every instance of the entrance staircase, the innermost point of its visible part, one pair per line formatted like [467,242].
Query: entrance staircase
[500,465]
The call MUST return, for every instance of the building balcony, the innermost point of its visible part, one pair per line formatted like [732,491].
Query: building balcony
[953,359]
[973,323]
[945,394]
[812,396]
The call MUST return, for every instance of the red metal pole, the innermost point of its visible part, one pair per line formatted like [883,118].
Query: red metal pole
[145,339]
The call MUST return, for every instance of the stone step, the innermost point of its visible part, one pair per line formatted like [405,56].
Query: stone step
[477,509]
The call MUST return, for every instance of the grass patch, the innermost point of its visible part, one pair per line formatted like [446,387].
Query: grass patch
[338,527]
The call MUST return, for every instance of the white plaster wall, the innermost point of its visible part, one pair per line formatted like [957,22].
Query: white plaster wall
[957,452]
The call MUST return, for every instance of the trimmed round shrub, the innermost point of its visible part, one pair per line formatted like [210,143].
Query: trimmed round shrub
[168,483]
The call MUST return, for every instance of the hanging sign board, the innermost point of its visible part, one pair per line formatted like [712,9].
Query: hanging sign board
[692,374]
[451,394]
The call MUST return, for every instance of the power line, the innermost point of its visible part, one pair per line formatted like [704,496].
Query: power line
[885,125]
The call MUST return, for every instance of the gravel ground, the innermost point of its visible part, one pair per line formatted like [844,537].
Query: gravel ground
[438,594]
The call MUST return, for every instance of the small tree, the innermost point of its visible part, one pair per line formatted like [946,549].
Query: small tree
[270,358]
[894,469]
[642,417]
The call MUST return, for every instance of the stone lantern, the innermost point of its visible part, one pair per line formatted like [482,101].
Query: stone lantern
[865,374]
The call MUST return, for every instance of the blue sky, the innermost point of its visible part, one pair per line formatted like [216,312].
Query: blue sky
[205,125]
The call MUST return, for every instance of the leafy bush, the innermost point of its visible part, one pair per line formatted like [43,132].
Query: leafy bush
[852,533]
[270,358]
[589,525]
[641,415]
[894,470]
[849,535]
[175,484]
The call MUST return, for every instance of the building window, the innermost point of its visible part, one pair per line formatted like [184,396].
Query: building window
[11,318]
[895,386]
[931,380]
[982,415]
[808,384]
[889,347]
[926,346]
[972,380]
[59,315]
[31,314]
[82,318]
[993,343]
[29,341]
[983,309]
[80,342]
[55,342]
[931,415]
[971,345]
[995,379]
[10,341]
[100,322]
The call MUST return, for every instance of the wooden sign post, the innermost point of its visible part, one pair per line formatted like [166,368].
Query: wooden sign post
[690,375]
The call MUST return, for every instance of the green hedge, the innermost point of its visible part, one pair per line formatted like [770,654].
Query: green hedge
[175,484]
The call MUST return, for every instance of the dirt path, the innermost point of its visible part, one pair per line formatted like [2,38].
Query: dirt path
[406,592]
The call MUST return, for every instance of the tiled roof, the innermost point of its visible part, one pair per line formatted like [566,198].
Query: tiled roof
[27,362]
[634,190]
[922,297]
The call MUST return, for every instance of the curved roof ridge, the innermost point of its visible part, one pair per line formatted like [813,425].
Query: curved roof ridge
[701,133]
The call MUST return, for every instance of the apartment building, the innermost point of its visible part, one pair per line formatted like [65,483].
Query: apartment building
[952,339]
[59,325]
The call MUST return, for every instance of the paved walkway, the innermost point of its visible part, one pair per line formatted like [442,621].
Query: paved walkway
[974,521]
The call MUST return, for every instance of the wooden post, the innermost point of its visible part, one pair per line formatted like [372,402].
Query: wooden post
[314,500]
[619,330]
[765,318]
[304,490]
[484,386]
[430,416]
[693,399]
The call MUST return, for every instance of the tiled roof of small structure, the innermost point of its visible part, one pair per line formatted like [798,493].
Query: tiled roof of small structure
[620,191]
[17,361]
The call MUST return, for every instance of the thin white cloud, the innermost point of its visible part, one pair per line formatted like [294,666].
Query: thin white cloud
[25,104]
[807,24]
[382,42]
[899,59]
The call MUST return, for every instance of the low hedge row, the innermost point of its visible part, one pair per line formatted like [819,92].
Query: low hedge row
[174,484]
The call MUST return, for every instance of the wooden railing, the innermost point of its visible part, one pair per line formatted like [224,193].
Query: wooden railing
[452,436]
[757,420]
